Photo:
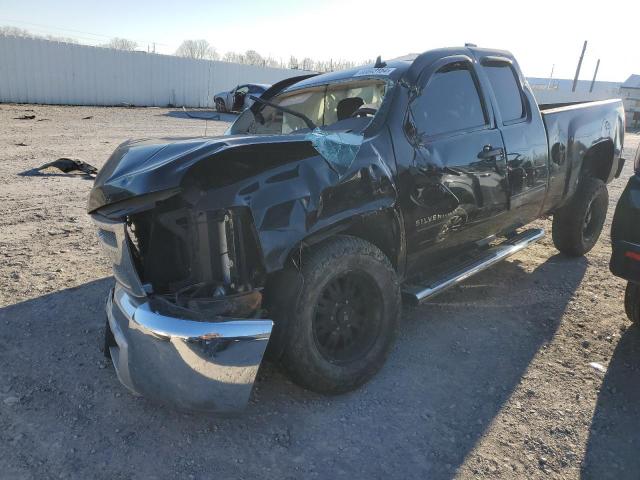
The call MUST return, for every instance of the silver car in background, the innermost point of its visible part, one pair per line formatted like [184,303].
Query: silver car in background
[237,99]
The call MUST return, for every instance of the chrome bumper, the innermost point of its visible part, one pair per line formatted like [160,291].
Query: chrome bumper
[191,365]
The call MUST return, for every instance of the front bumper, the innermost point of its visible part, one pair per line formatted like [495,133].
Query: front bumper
[191,365]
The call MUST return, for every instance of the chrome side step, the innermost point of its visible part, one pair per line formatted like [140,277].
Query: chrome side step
[421,292]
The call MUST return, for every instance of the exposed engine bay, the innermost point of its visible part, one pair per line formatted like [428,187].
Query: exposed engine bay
[197,260]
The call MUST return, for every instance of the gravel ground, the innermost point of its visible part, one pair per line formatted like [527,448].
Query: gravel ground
[491,380]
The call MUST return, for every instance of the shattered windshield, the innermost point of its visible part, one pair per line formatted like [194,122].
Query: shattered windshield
[345,105]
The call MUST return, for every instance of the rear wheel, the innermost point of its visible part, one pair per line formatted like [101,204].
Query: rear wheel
[578,224]
[345,318]
[632,302]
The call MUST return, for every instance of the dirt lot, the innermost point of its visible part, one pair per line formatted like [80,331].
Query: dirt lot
[490,380]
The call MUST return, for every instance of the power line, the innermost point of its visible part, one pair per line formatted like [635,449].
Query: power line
[77,31]
[41,33]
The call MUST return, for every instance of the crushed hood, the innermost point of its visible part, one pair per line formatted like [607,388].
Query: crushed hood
[139,167]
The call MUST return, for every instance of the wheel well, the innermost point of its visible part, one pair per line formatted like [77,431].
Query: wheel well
[598,161]
[381,228]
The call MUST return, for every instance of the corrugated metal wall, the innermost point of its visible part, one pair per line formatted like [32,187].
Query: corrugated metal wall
[41,71]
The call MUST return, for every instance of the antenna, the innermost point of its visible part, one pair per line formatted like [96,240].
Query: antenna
[575,79]
[379,63]
[553,67]
[595,74]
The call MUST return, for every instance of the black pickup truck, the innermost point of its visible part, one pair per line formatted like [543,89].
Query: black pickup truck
[327,200]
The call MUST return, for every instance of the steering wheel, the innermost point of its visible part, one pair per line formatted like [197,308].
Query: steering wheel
[364,111]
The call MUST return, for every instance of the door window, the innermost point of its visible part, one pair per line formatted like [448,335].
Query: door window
[449,103]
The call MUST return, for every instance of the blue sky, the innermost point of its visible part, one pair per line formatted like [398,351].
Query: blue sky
[540,33]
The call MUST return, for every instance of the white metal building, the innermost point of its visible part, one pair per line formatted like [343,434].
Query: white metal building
[34,70]
[630,94]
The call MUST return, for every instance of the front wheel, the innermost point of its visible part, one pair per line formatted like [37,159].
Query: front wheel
[220,106]
[345,318]
[578,224]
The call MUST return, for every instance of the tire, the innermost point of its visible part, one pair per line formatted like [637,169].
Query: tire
[220,106]
[632,302]
[344,320]
[578,224]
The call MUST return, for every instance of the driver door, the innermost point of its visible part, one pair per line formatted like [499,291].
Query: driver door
[459,191]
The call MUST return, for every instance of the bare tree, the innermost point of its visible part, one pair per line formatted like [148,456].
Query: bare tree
[21,32]
[121,44]
[253,58]
[15,31]
[307,63]
[198,49]
[55,38]
[271,62]
[234,57]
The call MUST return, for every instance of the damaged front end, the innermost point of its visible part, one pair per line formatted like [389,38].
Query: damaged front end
[191,239]
[195,228]
[183,338]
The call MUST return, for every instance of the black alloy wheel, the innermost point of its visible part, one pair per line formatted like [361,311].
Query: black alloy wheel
[347,318]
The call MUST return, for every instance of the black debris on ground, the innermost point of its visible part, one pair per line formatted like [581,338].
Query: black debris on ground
[70,165]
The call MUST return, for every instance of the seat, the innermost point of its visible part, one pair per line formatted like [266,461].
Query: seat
[348,106]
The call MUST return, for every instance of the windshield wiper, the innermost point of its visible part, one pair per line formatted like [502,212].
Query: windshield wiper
[304,118]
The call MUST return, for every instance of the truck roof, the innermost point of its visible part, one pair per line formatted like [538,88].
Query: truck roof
[406,66]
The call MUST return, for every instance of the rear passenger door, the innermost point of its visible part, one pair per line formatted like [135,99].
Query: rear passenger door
[460,190]
[524,138]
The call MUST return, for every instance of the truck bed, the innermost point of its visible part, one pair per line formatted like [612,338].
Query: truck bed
[546,107]
[550,106]
[574,129]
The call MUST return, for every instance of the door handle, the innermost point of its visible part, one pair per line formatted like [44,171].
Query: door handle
[489,152]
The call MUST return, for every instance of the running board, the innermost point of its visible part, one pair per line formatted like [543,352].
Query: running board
[421,292]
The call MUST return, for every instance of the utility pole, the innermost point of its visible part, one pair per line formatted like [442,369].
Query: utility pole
[575,80]
[595,74]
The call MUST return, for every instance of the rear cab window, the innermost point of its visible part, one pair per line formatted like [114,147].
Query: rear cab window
[506,88]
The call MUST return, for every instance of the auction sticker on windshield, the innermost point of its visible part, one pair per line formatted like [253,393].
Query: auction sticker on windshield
[374,71]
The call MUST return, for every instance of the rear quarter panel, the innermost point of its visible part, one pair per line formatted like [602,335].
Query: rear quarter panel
[571,132]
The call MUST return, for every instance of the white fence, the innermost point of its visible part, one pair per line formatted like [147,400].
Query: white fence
[41,71]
